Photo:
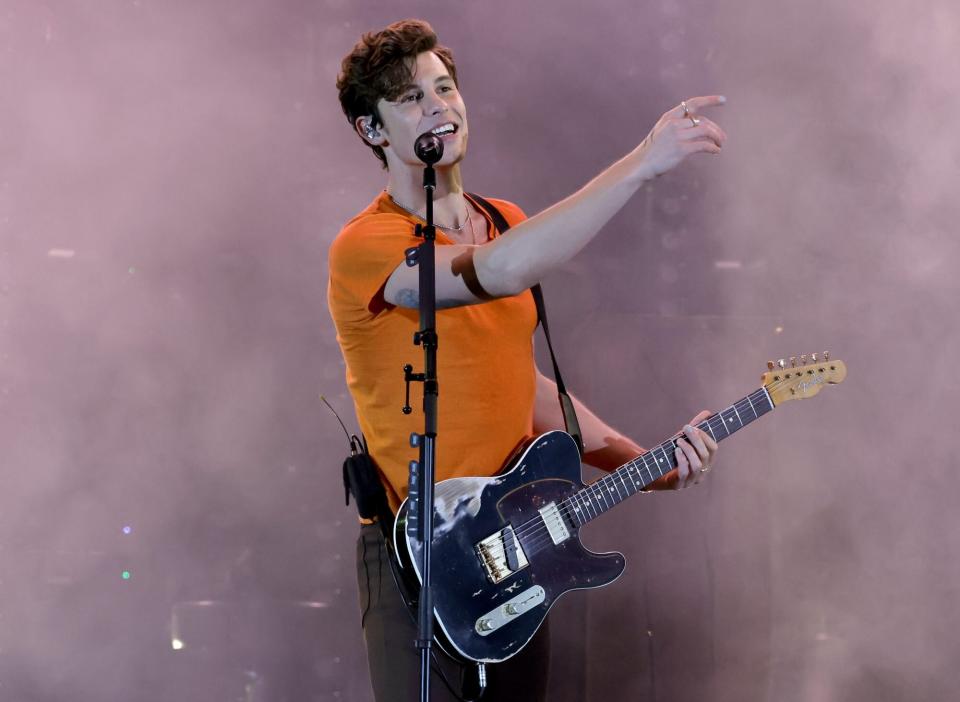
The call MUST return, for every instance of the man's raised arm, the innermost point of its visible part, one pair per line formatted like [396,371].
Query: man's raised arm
[509,265]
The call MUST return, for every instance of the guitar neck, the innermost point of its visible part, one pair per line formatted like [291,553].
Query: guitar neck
[632,477]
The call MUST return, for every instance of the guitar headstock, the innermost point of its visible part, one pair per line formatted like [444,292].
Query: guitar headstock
[796,382]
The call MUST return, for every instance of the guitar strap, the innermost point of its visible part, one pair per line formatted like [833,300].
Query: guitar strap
[566,404]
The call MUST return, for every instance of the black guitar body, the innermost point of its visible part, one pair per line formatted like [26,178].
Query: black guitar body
[492,594]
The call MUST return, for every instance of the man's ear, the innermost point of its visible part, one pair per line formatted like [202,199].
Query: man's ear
[368,132]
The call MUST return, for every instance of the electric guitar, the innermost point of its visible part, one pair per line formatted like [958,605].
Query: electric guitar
[506,547]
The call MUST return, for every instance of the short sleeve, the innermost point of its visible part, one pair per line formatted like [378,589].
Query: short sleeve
[510,211]
[362,258]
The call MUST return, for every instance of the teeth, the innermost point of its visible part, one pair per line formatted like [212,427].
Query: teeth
[444,129]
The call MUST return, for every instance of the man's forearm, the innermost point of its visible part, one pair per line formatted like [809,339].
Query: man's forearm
[604,447]
[509,265]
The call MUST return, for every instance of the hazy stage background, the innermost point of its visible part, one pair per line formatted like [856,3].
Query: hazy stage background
[171,175]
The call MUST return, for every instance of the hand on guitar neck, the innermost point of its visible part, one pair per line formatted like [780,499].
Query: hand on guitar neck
[694,455]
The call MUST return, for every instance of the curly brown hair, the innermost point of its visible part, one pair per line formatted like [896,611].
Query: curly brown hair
[379,67]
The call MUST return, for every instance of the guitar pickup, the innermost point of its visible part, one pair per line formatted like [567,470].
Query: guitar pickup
[553,520]
[501,555]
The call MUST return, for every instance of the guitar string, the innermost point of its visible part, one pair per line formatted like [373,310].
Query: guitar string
[530,530]
[606,488]
[535,533]
[599,487]
[535,540]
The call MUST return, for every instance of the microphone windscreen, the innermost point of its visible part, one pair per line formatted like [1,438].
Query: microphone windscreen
[429,148]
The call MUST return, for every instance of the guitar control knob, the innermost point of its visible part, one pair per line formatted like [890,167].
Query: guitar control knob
[485,625]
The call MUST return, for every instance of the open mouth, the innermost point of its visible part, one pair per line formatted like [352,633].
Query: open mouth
[445,129]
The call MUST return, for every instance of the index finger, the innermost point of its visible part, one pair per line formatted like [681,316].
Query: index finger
[696,104]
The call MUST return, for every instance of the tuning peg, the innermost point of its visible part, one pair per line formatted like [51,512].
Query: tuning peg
[803,359]
[793,361]
[814,357]
[769,365]
[782,364]
[826,355]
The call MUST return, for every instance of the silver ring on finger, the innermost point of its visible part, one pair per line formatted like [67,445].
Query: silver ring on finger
[695,120]
[704,470]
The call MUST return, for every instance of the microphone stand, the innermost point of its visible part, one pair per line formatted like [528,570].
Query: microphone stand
[429,149]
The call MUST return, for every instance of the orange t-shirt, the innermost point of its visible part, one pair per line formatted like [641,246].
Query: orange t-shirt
[485,363]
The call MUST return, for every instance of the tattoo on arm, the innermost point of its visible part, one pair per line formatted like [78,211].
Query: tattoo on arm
[408,298]
[411,298]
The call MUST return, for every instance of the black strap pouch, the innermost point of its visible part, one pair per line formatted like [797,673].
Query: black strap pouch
[361,479]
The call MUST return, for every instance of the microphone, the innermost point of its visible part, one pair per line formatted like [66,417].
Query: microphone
[429,148]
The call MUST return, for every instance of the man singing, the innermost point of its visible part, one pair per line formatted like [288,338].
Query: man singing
[395,85]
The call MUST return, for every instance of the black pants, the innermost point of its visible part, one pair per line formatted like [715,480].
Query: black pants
[389,631]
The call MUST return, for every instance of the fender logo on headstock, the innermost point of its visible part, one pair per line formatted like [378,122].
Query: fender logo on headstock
[793,382]
[809,384]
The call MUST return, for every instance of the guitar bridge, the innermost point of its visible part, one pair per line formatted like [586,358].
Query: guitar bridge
[501,555]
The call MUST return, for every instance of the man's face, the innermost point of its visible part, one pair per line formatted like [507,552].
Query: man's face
[430,103]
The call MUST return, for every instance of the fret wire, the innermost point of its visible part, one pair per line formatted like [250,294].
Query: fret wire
[608,485]
[730,416]
[588,504]
[620,497]
[600,496]
[655,465]
[647,468]
[580,507]
[577,502]
[726,424]
[666,458]
[768,398]
[710,429]
[596,497]
[614,482]
[739,418]
[594,503]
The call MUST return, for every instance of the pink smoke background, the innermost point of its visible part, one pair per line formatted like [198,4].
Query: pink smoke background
[171,175]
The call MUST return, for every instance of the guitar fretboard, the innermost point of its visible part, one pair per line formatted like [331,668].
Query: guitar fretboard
[630,478]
